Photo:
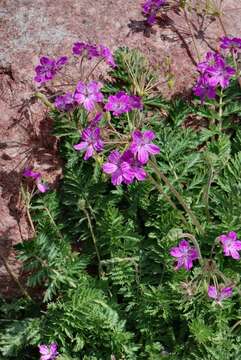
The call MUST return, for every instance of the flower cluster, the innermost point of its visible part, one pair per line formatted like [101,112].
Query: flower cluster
[128,166]
[150,9]
[48,352]
[214,72]
[93,51]
[121,103]
[48,68]
[85,94]
[185,255]
[38,179]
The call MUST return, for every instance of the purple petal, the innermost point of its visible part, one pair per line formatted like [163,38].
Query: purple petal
[232,235]
[143,155]
[42,187]
[89,152]
[109,168]
[226,293]
[81,146]
[148,135]
[175,251]
[212,292]
[152,149]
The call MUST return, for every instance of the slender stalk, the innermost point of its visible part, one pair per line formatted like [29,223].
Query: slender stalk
[178,196]
[94,241]
[192,35]
[220,113]
[167,198]
[93,68]
[206,191]
[15,278]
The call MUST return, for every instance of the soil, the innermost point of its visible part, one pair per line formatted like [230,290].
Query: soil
[30,29]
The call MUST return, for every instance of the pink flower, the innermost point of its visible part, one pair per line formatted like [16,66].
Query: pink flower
[231,246]
[91,143]
[121,103]
[220,293]
[81,48]
[136,166]
[37,177]
[65,102]
[107,55]
[220,73]
[210,60]
[48,352]
[48,68]
[185,255]
[142,145]
[88,94]
[203,88]
[233,44]
[118,168]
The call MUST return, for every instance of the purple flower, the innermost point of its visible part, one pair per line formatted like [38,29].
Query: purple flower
[37,177]
[88,94]
[119,169]
[65,102]
[232,44]
[107,55]
[48,68]
[91,142]
[48,352]
[185,255]
[78,48]
[81,48]
[142,145]
[220,293]
[231,246]
[210,60]
[136,166]
[122,102]
[203,88]
[150,9]
[220,73]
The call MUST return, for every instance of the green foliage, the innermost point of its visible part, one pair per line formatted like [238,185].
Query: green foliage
[103,281]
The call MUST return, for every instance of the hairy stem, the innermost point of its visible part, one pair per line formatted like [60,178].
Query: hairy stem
[178,196]
[44,100]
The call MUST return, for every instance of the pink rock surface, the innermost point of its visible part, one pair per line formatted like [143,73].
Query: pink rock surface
[29,29]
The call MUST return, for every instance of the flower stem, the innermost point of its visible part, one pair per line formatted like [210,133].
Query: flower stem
[94,241]
[178,196]
[167,198]
[192,35]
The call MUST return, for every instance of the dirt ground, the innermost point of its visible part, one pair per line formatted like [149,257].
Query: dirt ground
[29,29]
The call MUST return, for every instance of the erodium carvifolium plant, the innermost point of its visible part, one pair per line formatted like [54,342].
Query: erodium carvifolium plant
[136,254]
